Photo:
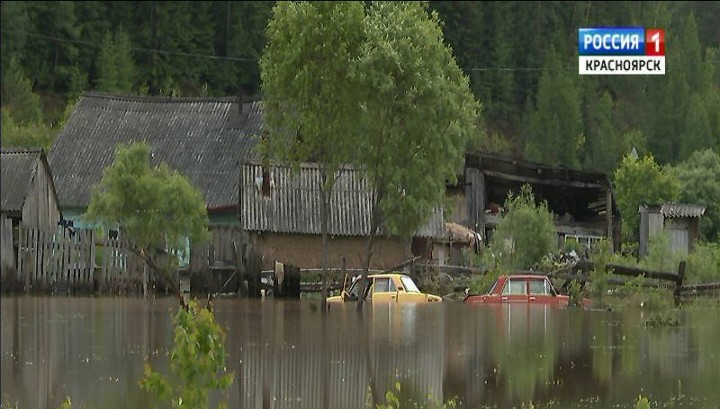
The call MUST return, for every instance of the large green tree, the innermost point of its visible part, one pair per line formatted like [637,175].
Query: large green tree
[553,123]
[155,207]
[638,181]
[700,177]
[417,114]
[310,96]
[18,97]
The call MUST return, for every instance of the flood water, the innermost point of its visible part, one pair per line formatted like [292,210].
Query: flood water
[286,355]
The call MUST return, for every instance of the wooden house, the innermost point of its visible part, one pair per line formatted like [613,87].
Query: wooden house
[202,138]
[280,210]
[581,201]
[679,221]
[28,199]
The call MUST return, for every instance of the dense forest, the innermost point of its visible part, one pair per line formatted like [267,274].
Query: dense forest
[521,58]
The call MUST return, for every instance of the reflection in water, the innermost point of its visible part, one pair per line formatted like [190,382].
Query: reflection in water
[285,354]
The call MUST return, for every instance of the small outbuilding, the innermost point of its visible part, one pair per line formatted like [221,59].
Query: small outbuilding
[28,198]
[679,221]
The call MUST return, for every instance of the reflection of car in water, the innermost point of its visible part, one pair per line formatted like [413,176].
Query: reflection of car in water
[385,288]
[521,288]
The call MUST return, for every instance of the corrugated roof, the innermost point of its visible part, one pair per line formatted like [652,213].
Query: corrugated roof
[202,138]
[18,168]
[681,210]
[294,203]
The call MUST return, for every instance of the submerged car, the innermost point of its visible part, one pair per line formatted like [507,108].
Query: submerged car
[384,289]
[521,288]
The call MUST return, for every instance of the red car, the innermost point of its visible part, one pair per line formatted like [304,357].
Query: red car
[521,288]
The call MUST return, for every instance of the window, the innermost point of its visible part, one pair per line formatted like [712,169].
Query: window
[539,287]
[409,284]
[514,287]
[382,285]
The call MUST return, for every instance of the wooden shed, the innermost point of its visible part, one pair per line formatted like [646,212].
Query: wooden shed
[28,198]
[581,201]
[679,221]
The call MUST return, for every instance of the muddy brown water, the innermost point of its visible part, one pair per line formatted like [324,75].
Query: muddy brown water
[286,355]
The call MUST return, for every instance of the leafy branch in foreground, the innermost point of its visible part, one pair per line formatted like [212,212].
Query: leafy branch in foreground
[197,361]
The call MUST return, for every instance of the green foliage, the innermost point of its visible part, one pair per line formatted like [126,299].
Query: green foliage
[18,97]
[310,103]
[395,399]
[525,234]
[115,66]
[700,176]
[197,362]
[417,113]
[553,124]
[604,144]
[67,404]
[599,276]
[481,283]
[661,320]
[642,403]
[639,181]
[575,293]
[31,135]
[703,263]
[151,204]
[219,44]
[660,257]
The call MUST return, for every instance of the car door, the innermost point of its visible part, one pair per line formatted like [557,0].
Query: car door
[408,291]
[383,291]
[515,291]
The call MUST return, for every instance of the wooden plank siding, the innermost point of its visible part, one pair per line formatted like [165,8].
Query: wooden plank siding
[65,260]
[8,261]
[292,202]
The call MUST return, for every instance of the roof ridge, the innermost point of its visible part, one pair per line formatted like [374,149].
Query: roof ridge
[15,150]
[156,99]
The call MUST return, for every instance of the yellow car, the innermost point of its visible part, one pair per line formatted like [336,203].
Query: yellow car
[385,288]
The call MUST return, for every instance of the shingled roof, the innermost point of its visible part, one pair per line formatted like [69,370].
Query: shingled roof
[293,205]
[202,138]
[18,168]
[681,210]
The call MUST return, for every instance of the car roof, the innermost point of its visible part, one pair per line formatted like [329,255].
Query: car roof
[384,275]
[524,276]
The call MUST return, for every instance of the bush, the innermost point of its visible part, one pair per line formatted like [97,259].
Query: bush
[703,263]
[197,361]
[525,234]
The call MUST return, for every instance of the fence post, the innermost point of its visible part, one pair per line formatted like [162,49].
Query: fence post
[680,279]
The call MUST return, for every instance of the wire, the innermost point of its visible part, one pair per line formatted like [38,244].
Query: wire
[149,50]
[217,57]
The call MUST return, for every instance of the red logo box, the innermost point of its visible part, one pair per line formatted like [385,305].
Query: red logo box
[655,41]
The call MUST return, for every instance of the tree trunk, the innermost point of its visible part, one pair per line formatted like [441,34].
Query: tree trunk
[145,281]
[374,225]
[324,206]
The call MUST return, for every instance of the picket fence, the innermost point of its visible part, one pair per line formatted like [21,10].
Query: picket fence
[74,260]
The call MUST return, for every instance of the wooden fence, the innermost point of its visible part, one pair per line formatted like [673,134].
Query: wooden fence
[73,260]
[66,260]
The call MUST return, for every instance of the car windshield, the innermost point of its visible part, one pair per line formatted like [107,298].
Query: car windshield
[409,284]
[492,288]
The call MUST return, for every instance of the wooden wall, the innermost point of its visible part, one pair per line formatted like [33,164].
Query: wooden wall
[41,207]
[7,251]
